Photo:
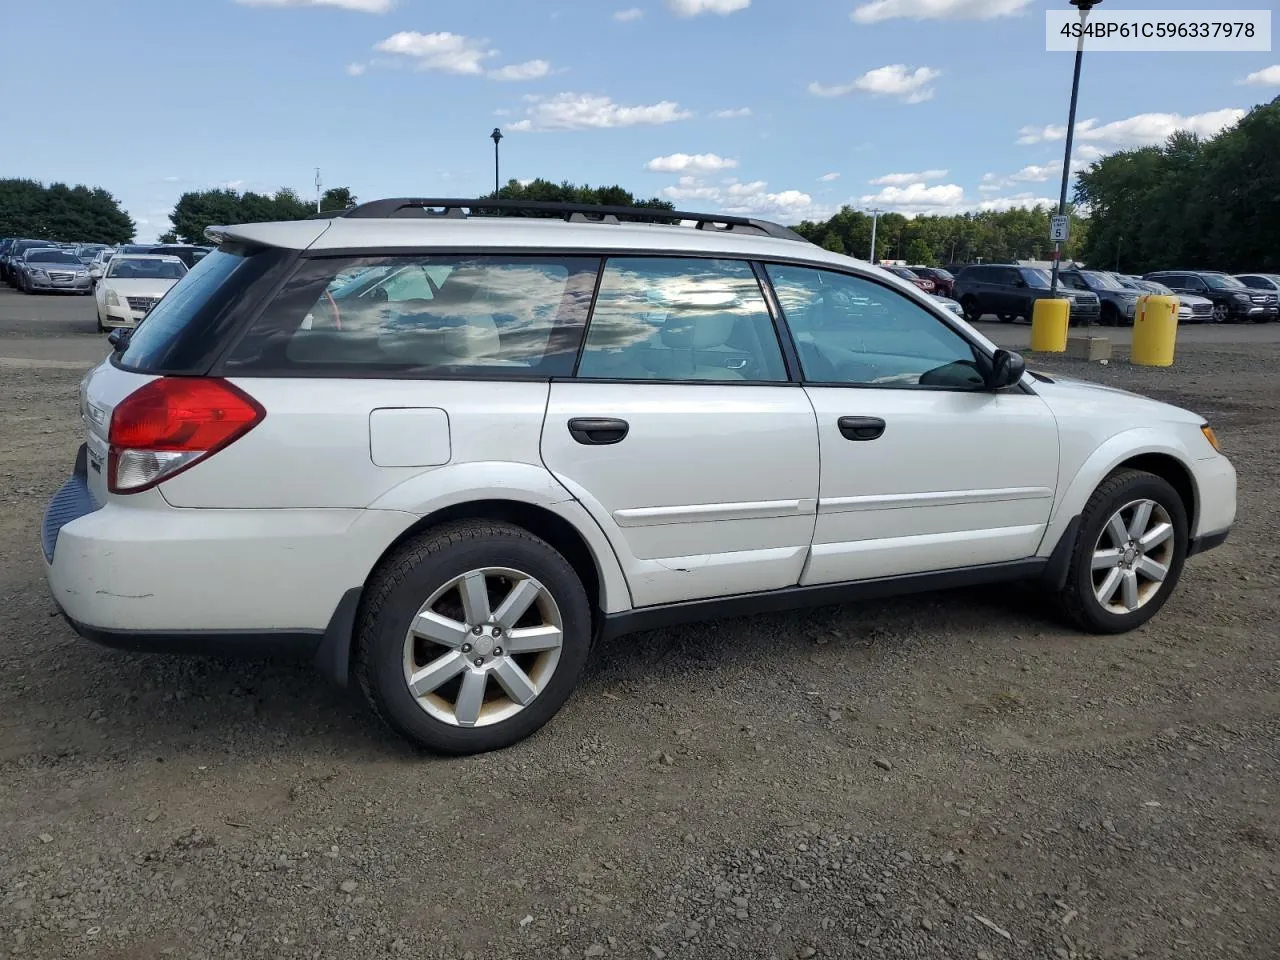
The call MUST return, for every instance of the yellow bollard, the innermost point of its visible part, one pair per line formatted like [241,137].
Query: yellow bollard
[1049,321]
[1155,331]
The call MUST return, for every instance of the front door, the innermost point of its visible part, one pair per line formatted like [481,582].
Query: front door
[682,436]
[923,468]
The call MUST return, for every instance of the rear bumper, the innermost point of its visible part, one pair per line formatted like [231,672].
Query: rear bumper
[140,574]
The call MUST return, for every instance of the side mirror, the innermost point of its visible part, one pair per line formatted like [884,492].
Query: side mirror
[95,273]
[1007,369]
[119,338]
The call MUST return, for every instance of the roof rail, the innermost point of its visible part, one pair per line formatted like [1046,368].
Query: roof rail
[573,212]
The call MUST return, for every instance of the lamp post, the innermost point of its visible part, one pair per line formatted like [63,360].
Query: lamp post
[875,217]
[495,137]
[1084,7]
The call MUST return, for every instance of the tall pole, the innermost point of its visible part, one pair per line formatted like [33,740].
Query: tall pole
[317,189]
[875,216]
[497,183]
[1085,6]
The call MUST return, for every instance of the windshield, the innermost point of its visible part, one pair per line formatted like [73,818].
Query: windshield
[51,256]
[1036,277]
[940,273]
[1220,281]
[137,268]
[1104,281]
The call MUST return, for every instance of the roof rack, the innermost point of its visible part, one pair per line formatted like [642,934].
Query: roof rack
[454,208]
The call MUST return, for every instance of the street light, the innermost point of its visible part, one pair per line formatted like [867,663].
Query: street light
[1084,7]
[875,219]
[495,137]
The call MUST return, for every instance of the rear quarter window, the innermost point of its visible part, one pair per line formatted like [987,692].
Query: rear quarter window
[192,324]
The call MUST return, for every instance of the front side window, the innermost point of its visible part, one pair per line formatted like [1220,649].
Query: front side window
[849,330]
[425,316]
[1222,281]
[681,319]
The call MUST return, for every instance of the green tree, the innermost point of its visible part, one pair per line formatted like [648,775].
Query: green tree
[168,237]
[197,210]
[920,253]
[62,213]
[337,198]
[567,192]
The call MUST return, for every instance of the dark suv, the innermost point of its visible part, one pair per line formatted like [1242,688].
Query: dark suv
[1010,291]
[1233,302]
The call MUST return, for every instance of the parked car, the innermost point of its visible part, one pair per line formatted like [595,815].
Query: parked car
[943,282]
[1117,303]
[449,488]
[50,270]
[190,254]
[88,251]
[1191,309]
[16,250]
[1010,291]
[1233,302]
[948,303]
[925,284]
[1266,282]
[132,285]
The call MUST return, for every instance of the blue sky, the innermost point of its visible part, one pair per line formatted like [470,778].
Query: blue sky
[735,105]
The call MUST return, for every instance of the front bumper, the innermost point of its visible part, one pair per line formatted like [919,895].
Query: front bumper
[78,285]
[121,317]
[1215,479]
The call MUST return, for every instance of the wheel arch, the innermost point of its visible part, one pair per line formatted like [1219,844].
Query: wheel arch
[565,525]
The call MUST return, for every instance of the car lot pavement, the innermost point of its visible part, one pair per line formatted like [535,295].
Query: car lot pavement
[953,776]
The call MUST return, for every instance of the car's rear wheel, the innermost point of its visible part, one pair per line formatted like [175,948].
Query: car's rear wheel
[1129,553]
[1008,317]
[472,637]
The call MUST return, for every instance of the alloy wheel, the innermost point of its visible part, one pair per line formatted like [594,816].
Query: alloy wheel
[1132,556]
[483,647]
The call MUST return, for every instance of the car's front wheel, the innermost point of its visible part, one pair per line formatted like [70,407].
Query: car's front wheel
[972,310]
[1129,553]
[472,637]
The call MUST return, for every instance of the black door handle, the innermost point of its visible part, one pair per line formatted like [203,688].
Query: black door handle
[861,428]
[597,431]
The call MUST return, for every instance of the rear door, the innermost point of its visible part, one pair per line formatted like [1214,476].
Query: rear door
[682,435]
[922,468]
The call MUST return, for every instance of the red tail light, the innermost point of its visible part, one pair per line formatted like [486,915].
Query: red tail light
[172,424]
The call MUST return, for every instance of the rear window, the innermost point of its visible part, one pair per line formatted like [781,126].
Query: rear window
[424,316]
[190,326]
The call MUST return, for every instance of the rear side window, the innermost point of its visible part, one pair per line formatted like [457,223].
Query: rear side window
[448,315]
[186,330]
[676,319]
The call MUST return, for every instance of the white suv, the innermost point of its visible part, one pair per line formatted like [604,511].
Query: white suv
[444,452]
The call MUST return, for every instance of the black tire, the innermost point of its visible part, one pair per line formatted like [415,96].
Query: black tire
[972,311]
[1077,597]
[101,326]
[1008,317]
[408,579]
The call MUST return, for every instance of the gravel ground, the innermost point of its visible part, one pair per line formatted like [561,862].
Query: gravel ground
[954,776]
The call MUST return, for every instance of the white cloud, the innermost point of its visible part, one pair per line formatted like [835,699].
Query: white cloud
[878,10]
[902,179]
[448,52]
[681,162]
[748,199]
[693,8]
[1036,173]
[1266,77]
[231,184]
[585,111]
[359,6]
[626,16]
[1144,129]
[732,114]
[1019,200]
[896,80]
[918,197]
[355,69]
[990,187]
[828,177]
[530,70]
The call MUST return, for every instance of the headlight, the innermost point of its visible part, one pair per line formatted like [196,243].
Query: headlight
[37,272]
[1241,298]
[112,299]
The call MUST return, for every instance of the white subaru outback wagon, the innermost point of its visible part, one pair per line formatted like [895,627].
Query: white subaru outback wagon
[444,450]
